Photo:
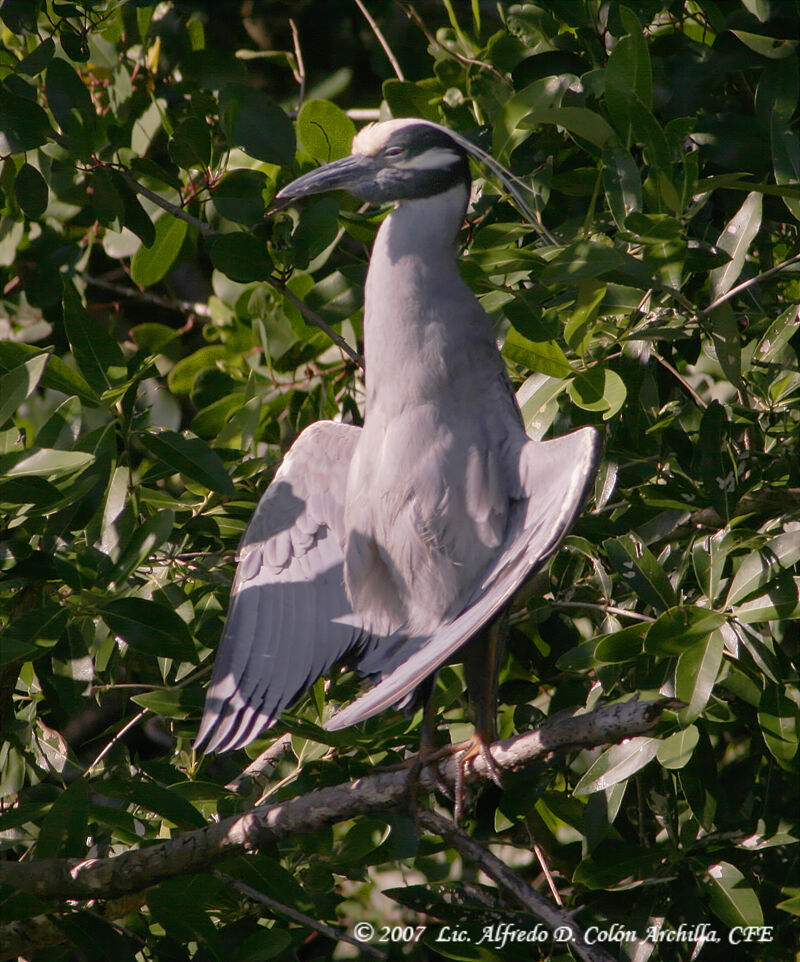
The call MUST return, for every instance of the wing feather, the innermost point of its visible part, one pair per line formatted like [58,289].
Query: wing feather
[289,618]
[554,476]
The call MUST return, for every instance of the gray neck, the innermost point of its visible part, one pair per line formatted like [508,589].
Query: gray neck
[417,306]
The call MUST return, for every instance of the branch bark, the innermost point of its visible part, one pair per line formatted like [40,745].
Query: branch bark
[109,878]
[540,908]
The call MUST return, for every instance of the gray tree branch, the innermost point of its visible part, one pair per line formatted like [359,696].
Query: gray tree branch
[540,908]
[199,850]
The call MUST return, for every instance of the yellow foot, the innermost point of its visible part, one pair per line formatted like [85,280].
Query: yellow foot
[475,746]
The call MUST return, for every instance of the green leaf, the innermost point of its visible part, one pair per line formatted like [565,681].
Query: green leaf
[680,628]
[180,906]
[98,355]
[708,559]
[579,327]
[257,124]
[29,490]
[792,904]
[732,900]
[19,384]
[23,124]
[34,632]
[621,646]
[617,763]
[31,190]
[698,780]
[696,674]
[107,202]
[598,389]
[211,69]
[191,456]
[58,375]
[69,100]
[628,77]
[171,702]
[543,356]
[325,130]
[190,145]
[38,58]
[44,462]
[150,628]
[155,338]
[786,161]
[182,377]
[240,197]
[585,259]
[639,569]
[621,181]
[165,802]
[735,240]
[134,215]
[240,256]
[674,752]
[146,539]
[576,120]
[773,342]
[65,827]
[615,864]
[780,600]
[406,99]
[152,263]
[727,341]
[765,46]
[760,567]
[779,718]
[316,229]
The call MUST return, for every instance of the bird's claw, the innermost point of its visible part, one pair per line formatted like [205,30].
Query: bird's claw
[474,747]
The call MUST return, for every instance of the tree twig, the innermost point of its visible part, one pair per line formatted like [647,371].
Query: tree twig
[679,378]
[193,307]
[299,917]
[123,731]
[606,609]
[313,318]
[263,764]
[300,73]
[748,283]
[170,208]
[381,40]
[540,908]
[193,851]
[412,13]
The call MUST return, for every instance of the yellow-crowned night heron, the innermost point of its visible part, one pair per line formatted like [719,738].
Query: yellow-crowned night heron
[392,545]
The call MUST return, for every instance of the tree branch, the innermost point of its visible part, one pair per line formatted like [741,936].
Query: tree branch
[748,283]
[72,878]
[539,907]
[313,318]
[301,918]
[381,40]
[159,201]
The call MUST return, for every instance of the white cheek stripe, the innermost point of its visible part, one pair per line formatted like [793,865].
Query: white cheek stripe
[433,159]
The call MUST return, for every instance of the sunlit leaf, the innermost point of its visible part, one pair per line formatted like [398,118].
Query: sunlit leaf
[618,763]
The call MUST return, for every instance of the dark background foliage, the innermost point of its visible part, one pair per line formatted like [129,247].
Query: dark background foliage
[154,366]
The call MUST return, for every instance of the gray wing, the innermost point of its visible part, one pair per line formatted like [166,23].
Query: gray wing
[289,618]
[554,476]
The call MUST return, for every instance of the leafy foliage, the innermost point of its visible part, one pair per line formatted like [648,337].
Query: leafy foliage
[154,366]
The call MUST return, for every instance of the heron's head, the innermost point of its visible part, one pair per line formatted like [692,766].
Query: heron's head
[394,160]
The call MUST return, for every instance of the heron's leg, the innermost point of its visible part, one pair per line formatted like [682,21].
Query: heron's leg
[425,692]
[483,657]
